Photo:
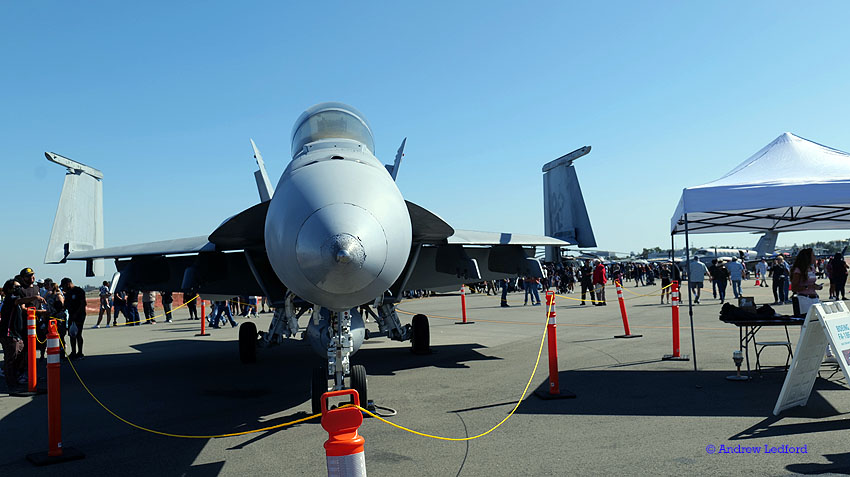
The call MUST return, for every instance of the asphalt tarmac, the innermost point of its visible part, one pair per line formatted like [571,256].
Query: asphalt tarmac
[633,414]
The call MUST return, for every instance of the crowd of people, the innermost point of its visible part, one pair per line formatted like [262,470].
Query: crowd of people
[592,276]
[66,303]
[589,276]
[781,274]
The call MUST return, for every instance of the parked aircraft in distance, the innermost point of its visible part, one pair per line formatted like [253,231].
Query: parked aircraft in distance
[334,235]
[764,248]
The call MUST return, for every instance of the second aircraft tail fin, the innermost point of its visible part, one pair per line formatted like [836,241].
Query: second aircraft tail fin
[766,244]
[78,225]
[565,214]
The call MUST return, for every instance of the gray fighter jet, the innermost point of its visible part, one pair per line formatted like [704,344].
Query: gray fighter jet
[334,235]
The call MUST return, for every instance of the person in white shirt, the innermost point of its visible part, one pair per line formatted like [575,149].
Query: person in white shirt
[736,274]
[696,275]
[761,269]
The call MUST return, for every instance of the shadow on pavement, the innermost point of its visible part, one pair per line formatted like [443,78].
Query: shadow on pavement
[616,392]
[186,386]
[839,464]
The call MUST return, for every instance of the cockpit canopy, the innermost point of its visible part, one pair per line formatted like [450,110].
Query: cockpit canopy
[331,120]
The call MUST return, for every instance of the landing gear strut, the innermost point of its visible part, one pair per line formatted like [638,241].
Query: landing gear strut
[418,331]
[340,347]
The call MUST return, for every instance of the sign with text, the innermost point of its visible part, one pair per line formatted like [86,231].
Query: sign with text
[826,323]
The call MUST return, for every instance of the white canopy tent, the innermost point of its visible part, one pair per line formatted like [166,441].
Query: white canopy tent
[790,184]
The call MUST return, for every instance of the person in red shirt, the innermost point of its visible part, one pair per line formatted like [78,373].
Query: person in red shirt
[599,281]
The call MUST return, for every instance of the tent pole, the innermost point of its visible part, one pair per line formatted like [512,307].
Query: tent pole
[690,301]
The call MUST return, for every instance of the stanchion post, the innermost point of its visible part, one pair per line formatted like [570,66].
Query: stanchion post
[203,319]
[55,451]
[54,403]
[463,307]
[344,447]
[626,330]
[674,296]
[553,390]
[32,373]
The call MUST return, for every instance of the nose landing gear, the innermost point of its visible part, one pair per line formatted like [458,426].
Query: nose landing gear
[340,348]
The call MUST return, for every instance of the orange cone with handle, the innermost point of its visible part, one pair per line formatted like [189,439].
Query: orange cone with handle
[627,331]
[553,390]
[344,447]
[32,372]
[203,319]
[463,307]
[676,356]
[56,453]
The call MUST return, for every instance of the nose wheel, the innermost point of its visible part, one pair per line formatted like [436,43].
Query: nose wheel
[319,385]
[357,381]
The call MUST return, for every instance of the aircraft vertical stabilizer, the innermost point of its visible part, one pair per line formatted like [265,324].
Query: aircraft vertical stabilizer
[78,225]
[766,244]
[264,187]
[565,215]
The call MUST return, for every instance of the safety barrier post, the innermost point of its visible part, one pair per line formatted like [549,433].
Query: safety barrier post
[463,307]
[344,447]
[554,388]
[54,404]
[674,296]
[32,372]
[628,333]
[55,452]
[203,319]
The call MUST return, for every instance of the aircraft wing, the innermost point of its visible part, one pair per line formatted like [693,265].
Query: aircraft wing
[189,263]
[164,247]
[473,237]
[444,257]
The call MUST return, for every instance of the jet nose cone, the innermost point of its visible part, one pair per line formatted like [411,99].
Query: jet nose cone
[341,248]
[348,250]
[345,249]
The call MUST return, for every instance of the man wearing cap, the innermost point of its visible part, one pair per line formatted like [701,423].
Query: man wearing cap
[29,289]
[75,303]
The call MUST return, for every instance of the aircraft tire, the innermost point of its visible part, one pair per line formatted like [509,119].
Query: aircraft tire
[318,386]
[248,342]
[420,339]
[358,382]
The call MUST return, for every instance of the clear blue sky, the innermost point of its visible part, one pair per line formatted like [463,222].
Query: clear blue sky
[163,96]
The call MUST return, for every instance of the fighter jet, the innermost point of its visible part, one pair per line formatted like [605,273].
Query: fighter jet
[334,235]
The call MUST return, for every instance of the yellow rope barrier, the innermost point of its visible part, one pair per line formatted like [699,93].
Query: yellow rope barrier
[182,436]
[655,293]
[521,399]
[298,421]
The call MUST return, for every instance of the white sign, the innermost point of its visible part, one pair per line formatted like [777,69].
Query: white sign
[826,323]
